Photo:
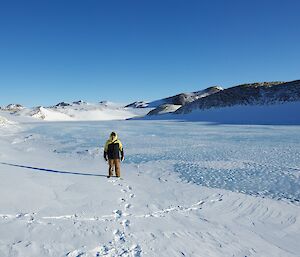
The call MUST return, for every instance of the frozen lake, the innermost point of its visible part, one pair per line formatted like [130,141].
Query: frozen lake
[256,160]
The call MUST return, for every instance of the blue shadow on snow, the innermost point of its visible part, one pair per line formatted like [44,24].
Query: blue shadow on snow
[53,171]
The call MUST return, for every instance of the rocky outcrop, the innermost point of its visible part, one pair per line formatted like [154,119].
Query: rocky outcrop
[137,104]
[165,108]
[13,107]
[62,104]
[38,113]
[80,102]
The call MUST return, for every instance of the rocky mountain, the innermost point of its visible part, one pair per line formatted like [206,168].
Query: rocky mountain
[176,100]
[172,103]
[13,107]
[184,98]
[265,93]
[213,100]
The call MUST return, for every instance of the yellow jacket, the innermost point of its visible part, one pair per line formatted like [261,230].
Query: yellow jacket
[112,148]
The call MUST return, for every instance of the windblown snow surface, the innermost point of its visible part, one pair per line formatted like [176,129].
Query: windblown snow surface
[189,189]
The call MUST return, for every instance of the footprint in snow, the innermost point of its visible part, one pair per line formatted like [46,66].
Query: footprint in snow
[20,215]
[136,250]
[119,236]
[132,195]
[114,180]
[127,206]
[75,253]
[125,223]
[112,250]
[117,214]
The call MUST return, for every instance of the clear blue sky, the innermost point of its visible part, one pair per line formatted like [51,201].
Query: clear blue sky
[129,50]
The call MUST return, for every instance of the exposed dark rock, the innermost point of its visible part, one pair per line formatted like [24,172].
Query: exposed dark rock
[137,104]
[13,108]
[80,102]
[62,104]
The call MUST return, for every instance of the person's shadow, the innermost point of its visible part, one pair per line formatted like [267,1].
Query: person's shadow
[53,171]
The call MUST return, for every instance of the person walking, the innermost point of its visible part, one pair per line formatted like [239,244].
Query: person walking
[112,150]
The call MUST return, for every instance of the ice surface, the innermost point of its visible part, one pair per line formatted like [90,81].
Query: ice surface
[57,201]
[256,160]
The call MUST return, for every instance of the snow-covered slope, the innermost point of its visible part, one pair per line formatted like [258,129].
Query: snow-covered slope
[164,108]
[4,122]
[102,111]
[276,114]
[280,114]
[49,115]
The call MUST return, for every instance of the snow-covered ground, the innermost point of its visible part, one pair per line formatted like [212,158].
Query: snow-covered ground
[189,189]
[4,122]
[273,114]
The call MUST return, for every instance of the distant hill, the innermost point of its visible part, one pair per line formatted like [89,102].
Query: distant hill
[255,103]
[265,93]
[75,111]
[179,99]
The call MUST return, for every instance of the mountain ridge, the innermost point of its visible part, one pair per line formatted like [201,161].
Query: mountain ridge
[215,97]
[263,93]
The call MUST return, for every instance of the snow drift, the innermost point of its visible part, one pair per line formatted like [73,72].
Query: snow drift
[49,115]
[4,122]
